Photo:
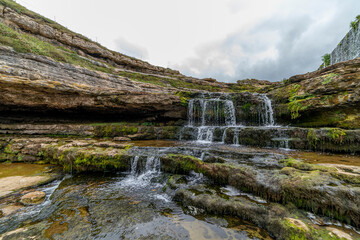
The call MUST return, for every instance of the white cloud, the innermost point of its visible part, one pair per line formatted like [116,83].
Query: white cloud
[224,39]
[131,49]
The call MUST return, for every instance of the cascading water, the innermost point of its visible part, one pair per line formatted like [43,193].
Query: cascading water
[207,114]
[267,117]
[140,176]
[216,112]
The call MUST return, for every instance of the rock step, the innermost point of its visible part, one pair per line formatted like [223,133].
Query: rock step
[310,187]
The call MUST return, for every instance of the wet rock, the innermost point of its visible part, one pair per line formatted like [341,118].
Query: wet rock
[137,136]
[10,209]
[120,139]
[310,188]
[339,233]
[274,218]
[33,198]
[10,184]
[298,223]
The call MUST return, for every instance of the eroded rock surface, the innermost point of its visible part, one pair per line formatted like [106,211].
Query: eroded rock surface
[57,89]
[33,198]
[327,97]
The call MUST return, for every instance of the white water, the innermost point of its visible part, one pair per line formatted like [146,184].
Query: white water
[267,117]
[236,137]
[139,177]
[206,115]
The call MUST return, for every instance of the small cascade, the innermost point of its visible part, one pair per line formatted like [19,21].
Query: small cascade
[205,134]
[224,136]
[236,137]
[142,173]
[214,114]
[285,144]
[134,164]
[191,117]
[282,143]
[266,115]
[211,112]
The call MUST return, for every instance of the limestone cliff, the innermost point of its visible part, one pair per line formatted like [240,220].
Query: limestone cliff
[53,74]
[34,85]
[49,73]
[327,97]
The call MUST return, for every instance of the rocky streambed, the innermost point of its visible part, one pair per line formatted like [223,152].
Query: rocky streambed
[224,175]
[181,190]
[98,145]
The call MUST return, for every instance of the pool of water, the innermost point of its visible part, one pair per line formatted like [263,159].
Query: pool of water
[121,206]
[22,169]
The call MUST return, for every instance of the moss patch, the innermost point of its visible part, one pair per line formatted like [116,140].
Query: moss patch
[25,43]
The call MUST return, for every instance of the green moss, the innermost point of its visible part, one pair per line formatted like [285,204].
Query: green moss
[337,135]
[246,107]
[295,104]
[348,178]
[82,159]
[25,43]
[113,130]
[8,149]
[312,138]
[294,107]
[294,90]
[354,24]
[294,232]
[328,78]
[181,164]
[184,97]
[167,81]
[291,162]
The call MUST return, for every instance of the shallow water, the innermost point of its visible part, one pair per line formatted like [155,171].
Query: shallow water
[134,205]
[21,169]
[321,158]
[118,207]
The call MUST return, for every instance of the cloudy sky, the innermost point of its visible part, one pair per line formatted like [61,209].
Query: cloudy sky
[223,39]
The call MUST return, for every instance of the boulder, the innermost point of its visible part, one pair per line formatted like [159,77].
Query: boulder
[33,198]
[120,139]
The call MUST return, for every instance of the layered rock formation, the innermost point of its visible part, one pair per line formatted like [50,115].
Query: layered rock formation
[49,72]
[327,97]
[47,30]
[37,86]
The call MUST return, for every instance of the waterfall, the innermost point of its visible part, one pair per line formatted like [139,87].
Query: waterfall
[267,116]
[205,134]
[140,176]
[236,137]
[191,113]
[230,118]
[224,136]
[134,164]
[210,112]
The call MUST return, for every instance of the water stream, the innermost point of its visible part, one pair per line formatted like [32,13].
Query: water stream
[138,204]
[212,113]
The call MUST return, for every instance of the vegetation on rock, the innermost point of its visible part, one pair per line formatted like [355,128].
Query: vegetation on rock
[326,60]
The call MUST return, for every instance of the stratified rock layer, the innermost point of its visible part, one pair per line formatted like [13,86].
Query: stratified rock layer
[327,97]
[36,86]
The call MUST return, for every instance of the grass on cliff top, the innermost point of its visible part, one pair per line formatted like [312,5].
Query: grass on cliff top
[167,82]
[37,17]
[24,43]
